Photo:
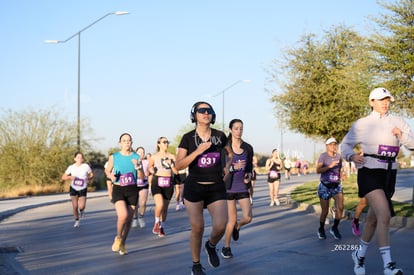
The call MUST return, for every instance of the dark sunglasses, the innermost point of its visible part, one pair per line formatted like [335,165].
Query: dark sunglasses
[165,142]
[204,110]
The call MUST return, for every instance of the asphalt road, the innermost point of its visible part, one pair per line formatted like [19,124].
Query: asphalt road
[280,240]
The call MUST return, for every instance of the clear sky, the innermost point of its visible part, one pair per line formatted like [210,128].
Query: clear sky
[142,72]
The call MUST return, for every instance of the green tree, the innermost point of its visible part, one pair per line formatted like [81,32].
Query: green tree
[393,43]
[96,159]
[35,148]
[324,84]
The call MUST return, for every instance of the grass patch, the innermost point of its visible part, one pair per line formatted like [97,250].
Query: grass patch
[30,190]
[307,193]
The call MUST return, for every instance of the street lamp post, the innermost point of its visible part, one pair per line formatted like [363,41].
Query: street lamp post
[281,127]
[226,89]
[78,34]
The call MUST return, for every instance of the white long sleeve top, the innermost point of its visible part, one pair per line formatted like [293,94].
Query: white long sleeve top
[374,133]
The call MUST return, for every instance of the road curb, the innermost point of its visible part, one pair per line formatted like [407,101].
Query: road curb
[6,214]
[397,222]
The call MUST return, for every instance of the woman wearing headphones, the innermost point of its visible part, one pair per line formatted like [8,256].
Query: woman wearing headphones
[204,151]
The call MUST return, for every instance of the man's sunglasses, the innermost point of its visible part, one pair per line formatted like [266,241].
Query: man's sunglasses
[204,110]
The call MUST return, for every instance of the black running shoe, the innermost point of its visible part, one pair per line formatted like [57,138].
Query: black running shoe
[321,234]
[235,233]
[213,259]
[335,233]
[197,269]
[226,253]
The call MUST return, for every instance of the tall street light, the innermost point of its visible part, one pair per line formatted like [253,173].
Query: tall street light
[78,34]
[226,89]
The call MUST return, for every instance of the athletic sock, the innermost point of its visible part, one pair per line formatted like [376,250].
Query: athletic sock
[363,246]
[322,224]
[336,223]
[385,254]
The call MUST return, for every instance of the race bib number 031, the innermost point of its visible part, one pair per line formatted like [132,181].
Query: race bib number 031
[208,160]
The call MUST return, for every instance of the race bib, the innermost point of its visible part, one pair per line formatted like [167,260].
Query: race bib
[126,179]
[387,151]
[273,174]
[208,160]
[333,177]
[164,182]
[79,182]
[142,182]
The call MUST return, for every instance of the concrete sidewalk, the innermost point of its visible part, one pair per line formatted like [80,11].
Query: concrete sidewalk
[9,207]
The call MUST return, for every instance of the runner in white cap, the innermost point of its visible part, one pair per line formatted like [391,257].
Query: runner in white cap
[379,136]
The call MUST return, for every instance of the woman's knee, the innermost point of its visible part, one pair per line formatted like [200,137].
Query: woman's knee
[248,219]
[122,218]
[219,223]
[371,220]
[324,207]
[384,219]
[122,215]
[363,203]
[197,229]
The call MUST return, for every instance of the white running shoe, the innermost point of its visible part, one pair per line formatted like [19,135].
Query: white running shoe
[76,224]
[272,203]
[122,250]
[141,222]
[391,269]
[134,223]
[277,202]
[359,267]
[177,207]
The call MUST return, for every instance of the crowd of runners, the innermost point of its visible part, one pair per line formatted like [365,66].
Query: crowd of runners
[215,171]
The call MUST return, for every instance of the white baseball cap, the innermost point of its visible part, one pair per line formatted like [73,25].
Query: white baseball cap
[330,140]
[380,93]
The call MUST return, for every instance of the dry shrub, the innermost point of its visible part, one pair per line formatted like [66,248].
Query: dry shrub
[32,190]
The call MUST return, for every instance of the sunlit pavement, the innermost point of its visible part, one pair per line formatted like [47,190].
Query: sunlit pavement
[280,240]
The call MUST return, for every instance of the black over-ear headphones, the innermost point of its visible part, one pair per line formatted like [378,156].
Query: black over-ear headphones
[195,108]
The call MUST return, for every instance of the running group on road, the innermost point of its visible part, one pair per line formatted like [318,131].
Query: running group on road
[216,172]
